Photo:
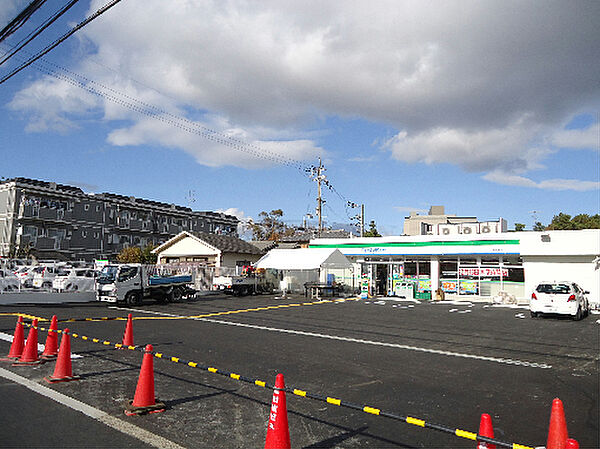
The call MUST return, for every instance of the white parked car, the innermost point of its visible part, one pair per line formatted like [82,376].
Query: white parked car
[43,276]
[74,279]
[9,282]
[565,298]
[25,275]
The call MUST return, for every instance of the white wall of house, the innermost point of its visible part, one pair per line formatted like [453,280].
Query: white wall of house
[188,247]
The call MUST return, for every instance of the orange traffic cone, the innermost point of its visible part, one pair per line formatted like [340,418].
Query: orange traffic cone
[144,400]
[572,444]
[30,353]
[51,347]
[18,343]
[128,335]
[486,430]
[557,433]
[278,432]
[63,371]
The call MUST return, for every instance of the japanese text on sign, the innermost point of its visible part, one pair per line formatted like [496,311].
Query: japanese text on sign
[483,271]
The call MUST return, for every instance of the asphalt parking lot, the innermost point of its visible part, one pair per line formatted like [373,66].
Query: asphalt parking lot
[443,363]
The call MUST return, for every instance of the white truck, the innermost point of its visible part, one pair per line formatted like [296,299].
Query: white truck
[250,282]
[131,283]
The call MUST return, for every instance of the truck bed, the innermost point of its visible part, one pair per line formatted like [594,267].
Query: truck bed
[165,280]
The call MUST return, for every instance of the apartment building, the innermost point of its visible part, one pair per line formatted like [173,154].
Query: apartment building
[50,220]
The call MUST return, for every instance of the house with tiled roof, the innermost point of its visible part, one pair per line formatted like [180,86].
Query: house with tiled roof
[212,250]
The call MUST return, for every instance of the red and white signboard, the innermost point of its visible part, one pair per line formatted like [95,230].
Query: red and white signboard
[483,272]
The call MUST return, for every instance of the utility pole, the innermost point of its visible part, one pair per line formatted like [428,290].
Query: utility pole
[317,174]
[362,220]
[360,217]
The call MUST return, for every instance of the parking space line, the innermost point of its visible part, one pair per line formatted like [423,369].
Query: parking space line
[122,426]
[501,360]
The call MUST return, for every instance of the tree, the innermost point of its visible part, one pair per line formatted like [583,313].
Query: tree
[519,227]
[131,254]
[538,226]
[148,257]
[561,221]
[135,254]
[581,221]
[372,232]
[270,226]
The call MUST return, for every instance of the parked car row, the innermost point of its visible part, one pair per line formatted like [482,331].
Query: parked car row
[46,275]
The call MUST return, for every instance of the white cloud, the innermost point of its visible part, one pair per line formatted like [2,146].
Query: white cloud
[51,103]
[510,148]
[206,147]
[410,209]
[483,85]
[548,184]
[586,138]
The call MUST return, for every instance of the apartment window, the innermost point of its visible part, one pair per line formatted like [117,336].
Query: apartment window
[30,230]
[86,207]
[96,235]
[84,234]
[98,207]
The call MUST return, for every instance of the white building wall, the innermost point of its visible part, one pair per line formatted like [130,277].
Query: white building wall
[230,259]
[580,269]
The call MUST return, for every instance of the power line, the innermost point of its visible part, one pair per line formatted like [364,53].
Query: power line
[60,40]
[159,114]
[31,36]
[21,18]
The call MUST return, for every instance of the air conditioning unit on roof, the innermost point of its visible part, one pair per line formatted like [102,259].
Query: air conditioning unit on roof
[469,228]
[447,229]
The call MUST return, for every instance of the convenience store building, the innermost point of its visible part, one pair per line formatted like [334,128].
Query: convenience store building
[472,265]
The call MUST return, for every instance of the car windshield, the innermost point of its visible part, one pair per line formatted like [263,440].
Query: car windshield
[107,275]
[38,269]
[553,288]
[63,272]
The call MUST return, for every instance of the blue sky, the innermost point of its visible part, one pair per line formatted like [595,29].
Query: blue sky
[489,108]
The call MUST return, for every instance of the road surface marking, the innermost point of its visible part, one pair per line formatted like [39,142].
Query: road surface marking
[9,338]
[361,341]
[103,417]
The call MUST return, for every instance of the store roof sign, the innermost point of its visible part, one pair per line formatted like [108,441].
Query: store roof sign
[424,247]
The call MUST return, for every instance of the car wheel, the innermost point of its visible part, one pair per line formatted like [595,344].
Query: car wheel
[175,295]
[579,315]
[46,285]
[534,314]
[133,299]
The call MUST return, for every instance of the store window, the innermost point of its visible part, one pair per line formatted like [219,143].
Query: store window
[449,276]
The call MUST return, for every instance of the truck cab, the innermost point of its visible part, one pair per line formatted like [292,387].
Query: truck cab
[120,283]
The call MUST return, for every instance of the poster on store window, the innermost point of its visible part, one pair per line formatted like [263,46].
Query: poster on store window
[449,286]
[468,287]
[424,285]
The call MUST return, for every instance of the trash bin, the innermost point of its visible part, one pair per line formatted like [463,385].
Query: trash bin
[422,295]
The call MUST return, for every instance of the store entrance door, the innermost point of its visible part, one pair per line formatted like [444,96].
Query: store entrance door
[381,279]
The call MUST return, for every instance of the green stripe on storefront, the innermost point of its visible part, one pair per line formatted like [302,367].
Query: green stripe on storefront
[416,244]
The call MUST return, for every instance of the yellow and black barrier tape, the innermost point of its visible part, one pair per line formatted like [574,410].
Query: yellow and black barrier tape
[305,394]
